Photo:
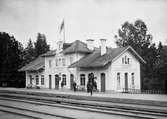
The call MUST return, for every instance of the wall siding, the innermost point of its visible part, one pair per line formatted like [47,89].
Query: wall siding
[117,66]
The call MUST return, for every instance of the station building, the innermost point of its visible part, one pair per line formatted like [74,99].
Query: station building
[114,69]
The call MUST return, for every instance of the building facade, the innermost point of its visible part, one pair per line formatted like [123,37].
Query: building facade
[114,69]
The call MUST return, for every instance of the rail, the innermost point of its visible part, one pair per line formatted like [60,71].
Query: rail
[89,106]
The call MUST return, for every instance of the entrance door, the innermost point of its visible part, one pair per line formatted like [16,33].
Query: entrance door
[103,82]
[71,81]
[56,81]
[126,82]
[30,79]
[50,81]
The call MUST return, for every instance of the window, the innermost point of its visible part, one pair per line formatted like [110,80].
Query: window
[37,80]
[82,79]
[71,60]
[133,79]
[122,60]
[128,60]
[42,79]
[59,62]
[59,46]
[56,62]
[31,79]
[50,63]
[64,79]
[63,61]
[125,60]
[118,79]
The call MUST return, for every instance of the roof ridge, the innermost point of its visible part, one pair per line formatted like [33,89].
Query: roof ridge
[77,47]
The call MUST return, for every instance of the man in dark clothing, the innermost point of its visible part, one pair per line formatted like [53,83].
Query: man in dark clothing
[91,88]
[62,84]
[75,86]
[90,83]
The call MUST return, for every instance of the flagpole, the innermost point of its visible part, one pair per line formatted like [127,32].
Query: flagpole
[64,30]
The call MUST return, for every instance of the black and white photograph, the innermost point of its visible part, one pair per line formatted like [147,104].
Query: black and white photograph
[83,59]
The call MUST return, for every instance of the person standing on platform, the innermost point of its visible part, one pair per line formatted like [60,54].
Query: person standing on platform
[90,84]
[74,86]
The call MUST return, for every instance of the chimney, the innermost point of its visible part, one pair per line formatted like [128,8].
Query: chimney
[103,49]
[90,44]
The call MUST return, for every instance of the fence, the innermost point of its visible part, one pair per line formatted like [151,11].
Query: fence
[137,91]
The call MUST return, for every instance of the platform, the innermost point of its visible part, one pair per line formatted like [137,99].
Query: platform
[151,97]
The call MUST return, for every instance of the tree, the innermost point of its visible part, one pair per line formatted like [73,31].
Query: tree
[161,63]
[41,45]
[136,35]
[11,58]
[29,52]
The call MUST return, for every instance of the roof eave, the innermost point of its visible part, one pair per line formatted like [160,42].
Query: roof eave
[140,58]
[32,69]
[48,55]
[129,47]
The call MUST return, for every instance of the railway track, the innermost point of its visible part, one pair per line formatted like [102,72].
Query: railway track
[86,106]
[31,113]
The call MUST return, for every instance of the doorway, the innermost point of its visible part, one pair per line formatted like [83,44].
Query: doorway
[50,81]
[103,82]
[126,82]
[56,81]
[30,79]
[71,81]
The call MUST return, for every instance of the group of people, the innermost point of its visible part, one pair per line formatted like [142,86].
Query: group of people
[91,84]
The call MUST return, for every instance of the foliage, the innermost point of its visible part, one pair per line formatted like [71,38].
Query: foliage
[29,52]
[136,35]
[33,50]
[11,57]
[41,45]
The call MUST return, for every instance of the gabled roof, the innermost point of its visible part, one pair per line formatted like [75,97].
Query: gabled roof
[49,53]
[77,47]
[35,65]
[66,45]
[96,60]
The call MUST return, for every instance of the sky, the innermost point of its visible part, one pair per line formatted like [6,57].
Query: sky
[83,19]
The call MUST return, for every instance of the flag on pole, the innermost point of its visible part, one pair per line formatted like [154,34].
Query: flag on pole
[62,26]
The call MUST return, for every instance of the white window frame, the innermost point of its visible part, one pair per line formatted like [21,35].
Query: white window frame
[125,60]
[133,79]
[37,79]
[118,80]
[64,79]
[42,80]
[63,61]
[82,77]
[59,61]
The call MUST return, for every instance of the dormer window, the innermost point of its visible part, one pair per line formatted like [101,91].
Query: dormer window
[59,61]
[59,46]
[63,61]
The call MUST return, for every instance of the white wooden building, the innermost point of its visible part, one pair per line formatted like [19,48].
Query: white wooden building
[115,69]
